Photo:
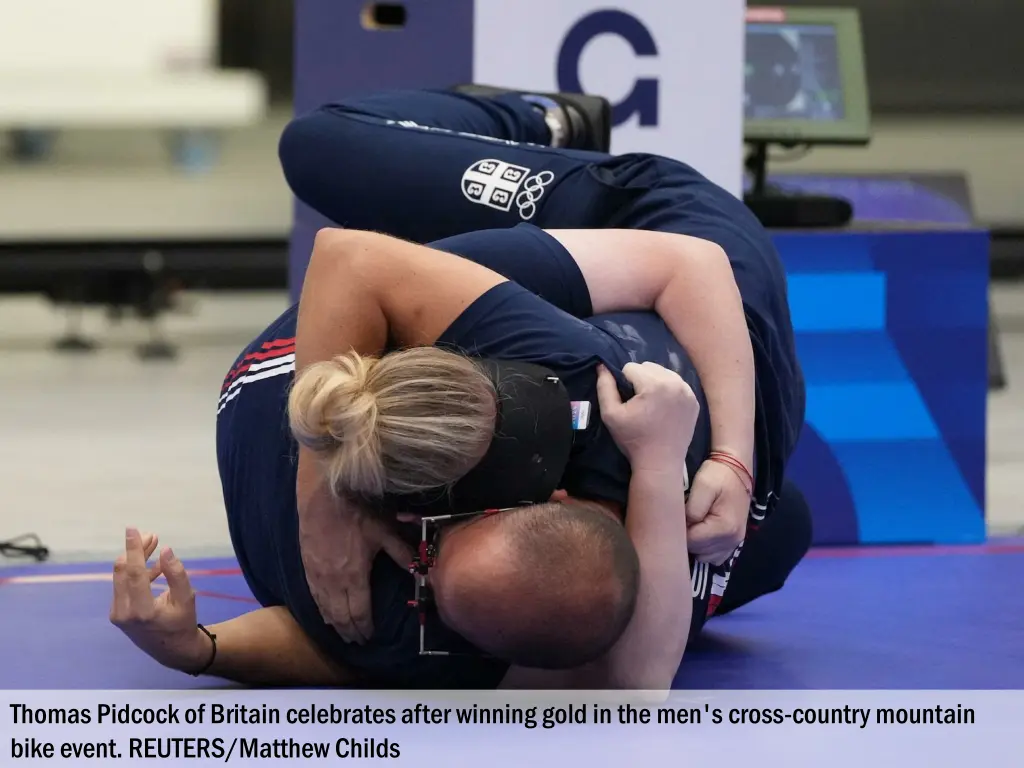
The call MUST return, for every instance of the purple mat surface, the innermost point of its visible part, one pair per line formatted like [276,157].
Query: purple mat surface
[864,618]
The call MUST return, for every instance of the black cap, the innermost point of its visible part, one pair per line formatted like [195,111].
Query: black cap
[529,452]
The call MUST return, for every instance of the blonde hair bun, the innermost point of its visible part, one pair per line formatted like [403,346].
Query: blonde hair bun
[409,421]
[332,409]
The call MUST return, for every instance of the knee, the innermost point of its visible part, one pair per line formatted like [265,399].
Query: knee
[315,150]
[297,150]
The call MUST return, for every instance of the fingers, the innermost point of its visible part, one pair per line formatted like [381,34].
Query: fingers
[714,539]
[150,542]
[607,391]
[120,603]
[718,558]
[705,540]
[136,573]
[123,586]
[179,588]
[713,533]
[333,607]
[647,374]
[362,614]
[340,616]
[635,375]
[701,499]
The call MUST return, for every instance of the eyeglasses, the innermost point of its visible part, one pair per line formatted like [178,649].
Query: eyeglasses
[425,559]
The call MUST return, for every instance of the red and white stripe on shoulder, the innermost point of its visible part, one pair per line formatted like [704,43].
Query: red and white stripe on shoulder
[274,358]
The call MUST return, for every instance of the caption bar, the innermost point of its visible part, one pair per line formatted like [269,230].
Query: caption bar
[218,728]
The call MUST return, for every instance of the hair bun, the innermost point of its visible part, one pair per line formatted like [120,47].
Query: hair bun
[332,410]
[413,420]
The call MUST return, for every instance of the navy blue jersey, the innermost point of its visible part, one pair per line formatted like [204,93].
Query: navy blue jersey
[670,196]
[257,455]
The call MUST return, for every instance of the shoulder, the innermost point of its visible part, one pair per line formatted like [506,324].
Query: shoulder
[270,357]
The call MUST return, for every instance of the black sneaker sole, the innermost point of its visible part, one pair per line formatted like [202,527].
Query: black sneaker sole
[596,112]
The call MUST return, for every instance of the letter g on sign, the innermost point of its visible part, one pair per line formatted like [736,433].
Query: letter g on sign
[643,98]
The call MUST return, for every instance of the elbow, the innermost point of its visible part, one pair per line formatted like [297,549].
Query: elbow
[691,265]
[336,253]
[335,265]
[717,252]
[716,261]
[333,243]
[707,252]
[706,256]
[712,259]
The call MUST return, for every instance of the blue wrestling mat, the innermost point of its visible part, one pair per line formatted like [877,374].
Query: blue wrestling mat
[864,618]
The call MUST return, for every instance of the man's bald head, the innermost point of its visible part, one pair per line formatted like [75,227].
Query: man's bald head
[550,586]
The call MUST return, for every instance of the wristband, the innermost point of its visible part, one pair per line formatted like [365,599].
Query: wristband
[213,656]
[737,467]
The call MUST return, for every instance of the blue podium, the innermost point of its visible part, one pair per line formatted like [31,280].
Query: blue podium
[891,323]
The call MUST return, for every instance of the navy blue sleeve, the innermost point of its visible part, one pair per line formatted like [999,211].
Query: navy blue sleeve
[530,257]
[510,323]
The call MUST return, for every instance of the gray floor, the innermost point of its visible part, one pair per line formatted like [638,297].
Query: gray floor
[92,443]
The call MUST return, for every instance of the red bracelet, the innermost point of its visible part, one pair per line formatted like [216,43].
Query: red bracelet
[732,461]
[736,466]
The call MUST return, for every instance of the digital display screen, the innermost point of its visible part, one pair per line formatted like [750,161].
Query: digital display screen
[793,73]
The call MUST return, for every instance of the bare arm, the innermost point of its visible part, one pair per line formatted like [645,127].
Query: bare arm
[690,284]
[268,648]
[648,653]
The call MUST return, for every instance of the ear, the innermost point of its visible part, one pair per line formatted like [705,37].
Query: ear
[559,495]
[408,517]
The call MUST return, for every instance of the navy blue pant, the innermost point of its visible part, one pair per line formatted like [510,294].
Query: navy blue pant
[426,165]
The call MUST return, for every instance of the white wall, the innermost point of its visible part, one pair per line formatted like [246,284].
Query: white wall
[124,36]
[699,68]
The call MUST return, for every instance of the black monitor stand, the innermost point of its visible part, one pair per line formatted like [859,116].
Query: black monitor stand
[777,209]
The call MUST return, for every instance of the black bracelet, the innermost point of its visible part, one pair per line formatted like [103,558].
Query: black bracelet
[213,656]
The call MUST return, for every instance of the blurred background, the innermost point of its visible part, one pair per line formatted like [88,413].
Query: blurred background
[144,225]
